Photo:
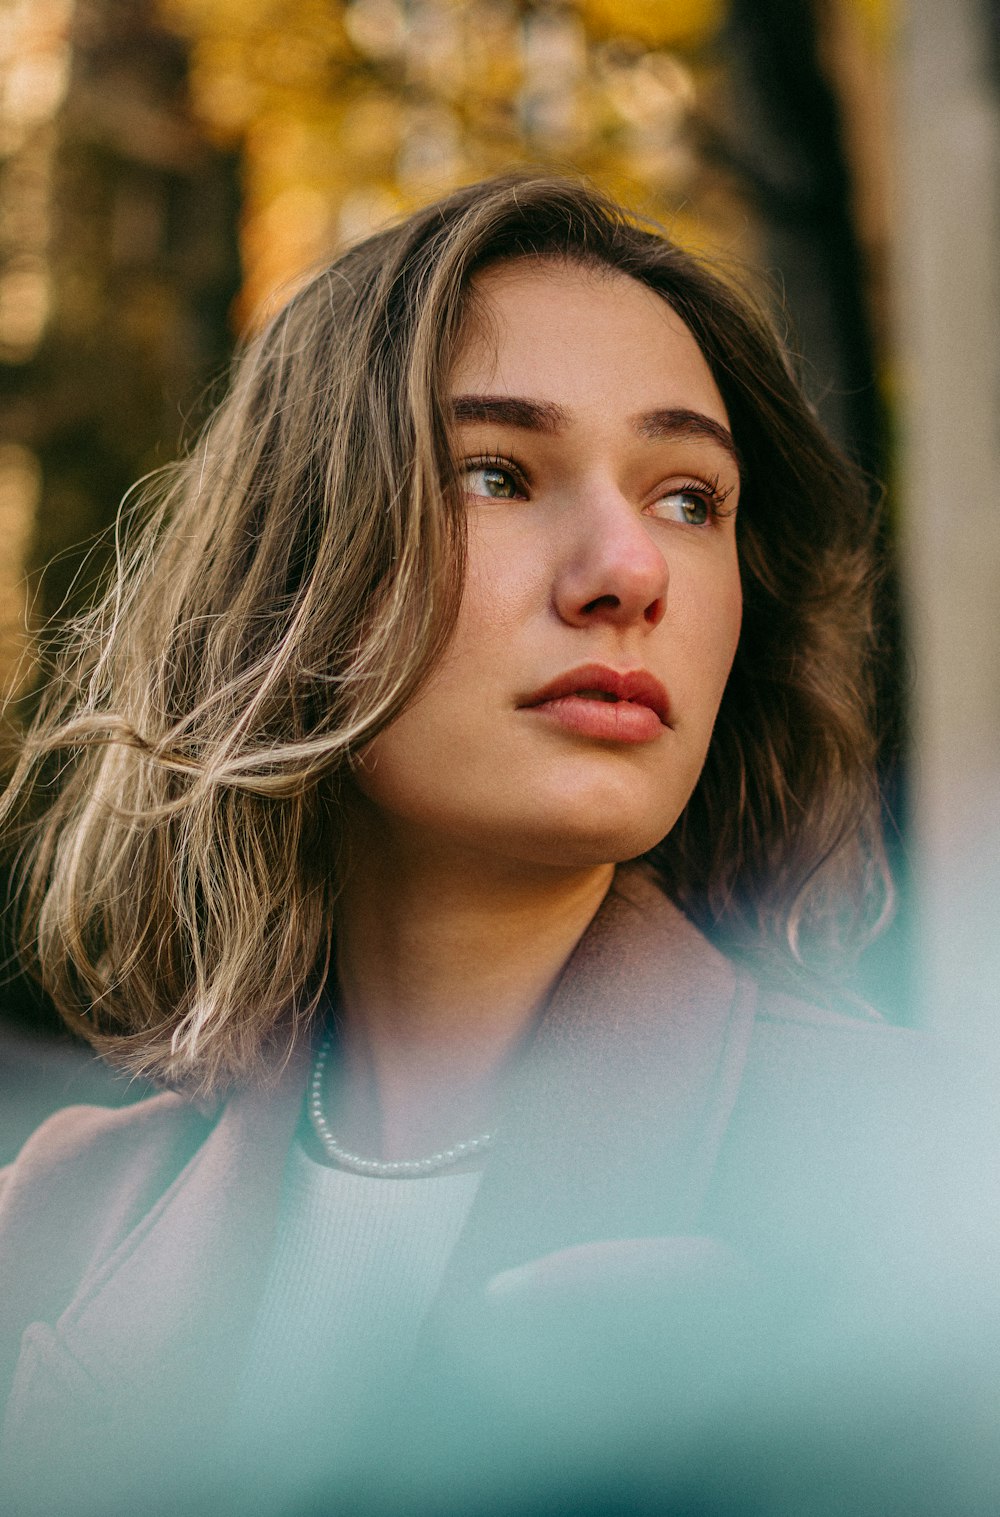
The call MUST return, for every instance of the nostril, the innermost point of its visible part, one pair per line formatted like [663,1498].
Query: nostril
[605,602]
[654,611]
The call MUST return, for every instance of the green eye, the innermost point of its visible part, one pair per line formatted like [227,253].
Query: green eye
[491,481]
[691,505]
[693,508]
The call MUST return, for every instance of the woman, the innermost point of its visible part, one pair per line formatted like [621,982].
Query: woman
[513,556]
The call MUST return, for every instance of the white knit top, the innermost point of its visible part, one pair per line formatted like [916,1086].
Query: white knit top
[356,1266]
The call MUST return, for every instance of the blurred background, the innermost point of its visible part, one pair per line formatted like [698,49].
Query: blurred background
[169,168]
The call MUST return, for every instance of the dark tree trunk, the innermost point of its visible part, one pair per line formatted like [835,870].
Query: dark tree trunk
[144,267]
[784,142]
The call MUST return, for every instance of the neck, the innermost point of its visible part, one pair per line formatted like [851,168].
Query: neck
[443,970]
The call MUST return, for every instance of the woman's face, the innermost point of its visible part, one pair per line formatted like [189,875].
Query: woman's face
[569,719]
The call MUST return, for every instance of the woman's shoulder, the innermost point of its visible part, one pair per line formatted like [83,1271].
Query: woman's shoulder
[855,1051]
[848,1081]
[98,1165]
[848,1126]
[99,1142]
[82,1181]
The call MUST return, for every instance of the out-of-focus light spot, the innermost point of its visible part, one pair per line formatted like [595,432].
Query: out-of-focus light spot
[24,309]
[653,89]
[226,101]
[34,74]
[33,88]
[434,50]
[430,160]
[365,211]
[376,27]
[34,65]
[555,67]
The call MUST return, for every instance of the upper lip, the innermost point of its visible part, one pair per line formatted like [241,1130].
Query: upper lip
[636,685]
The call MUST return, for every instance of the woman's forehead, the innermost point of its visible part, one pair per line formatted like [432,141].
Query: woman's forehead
[579,336]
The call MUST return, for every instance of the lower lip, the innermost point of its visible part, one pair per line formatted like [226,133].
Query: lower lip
[609,721]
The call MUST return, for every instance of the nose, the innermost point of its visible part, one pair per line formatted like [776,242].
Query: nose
[614,572]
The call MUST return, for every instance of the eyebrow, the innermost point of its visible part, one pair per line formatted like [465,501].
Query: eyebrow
[510,411]
[676,422]
[670,422]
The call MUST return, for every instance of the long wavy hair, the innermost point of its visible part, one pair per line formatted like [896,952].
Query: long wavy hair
[281,594]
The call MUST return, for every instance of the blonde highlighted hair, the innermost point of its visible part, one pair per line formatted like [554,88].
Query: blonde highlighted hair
[284,591]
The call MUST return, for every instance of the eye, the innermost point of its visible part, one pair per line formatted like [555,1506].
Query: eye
[492,479]
[695,503]
[684,505]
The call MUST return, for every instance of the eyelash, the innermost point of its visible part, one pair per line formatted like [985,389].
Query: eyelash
[710,490]
[497,461]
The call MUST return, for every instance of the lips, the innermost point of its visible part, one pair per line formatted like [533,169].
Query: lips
[616,705]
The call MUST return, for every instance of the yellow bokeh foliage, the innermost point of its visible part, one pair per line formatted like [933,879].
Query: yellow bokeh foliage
[348,112]
[669,23]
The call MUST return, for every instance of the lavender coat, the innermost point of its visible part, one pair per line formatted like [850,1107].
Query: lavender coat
[671,1127]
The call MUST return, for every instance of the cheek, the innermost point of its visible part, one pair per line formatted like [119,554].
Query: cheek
[504,570]
[408,767]
[709,623]
[389,766]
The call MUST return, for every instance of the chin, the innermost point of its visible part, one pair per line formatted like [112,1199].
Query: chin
[604,823]
[586,846]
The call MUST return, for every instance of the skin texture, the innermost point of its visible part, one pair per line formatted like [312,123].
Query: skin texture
[487,828]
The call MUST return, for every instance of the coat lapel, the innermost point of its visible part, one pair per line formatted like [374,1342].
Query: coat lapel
[615,1117]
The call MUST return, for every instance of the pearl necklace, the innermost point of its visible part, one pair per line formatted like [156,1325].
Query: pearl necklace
[384,1168]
